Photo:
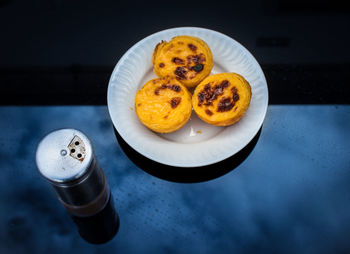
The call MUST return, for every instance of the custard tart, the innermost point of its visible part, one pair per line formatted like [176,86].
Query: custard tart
[186,58]
[222,99]
[163,105]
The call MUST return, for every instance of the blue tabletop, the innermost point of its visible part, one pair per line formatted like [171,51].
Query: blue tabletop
[291,195]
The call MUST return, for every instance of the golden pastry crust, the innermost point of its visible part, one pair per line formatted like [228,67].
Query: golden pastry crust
[163,105]
[222,99]
[186,58]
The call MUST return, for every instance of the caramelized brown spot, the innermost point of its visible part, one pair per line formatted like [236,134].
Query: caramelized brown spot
[225,104]
[210,100]
[139,104]
[180,43]
[208,94]
[203,94]
[192,47]
[235,109]
[208,112]
[235,94]
[165,117]
[196,59]
[219,89]
[175,102]
[201,98]
[197,67]
[177,60]
[224,83]
[181,72]
[161,65]
[207,87]
[175,88]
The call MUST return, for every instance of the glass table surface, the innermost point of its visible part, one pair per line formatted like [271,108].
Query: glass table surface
[290,195]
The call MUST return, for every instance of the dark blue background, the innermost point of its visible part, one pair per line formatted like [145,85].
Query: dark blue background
[291,195]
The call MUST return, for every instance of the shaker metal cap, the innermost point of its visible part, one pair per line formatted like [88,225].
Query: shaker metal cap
[64,155]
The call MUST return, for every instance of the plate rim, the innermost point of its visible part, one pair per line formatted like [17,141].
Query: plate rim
[199,164]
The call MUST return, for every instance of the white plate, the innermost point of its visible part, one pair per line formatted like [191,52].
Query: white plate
[197,143]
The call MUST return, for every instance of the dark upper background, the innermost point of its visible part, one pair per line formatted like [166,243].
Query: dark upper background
[53,50]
